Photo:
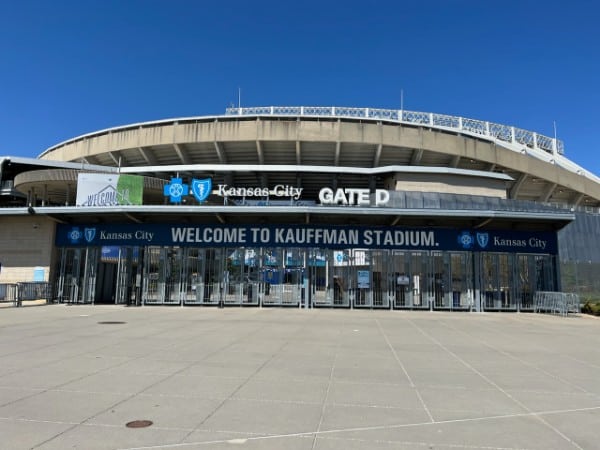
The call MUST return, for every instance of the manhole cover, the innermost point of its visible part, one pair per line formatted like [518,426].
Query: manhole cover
[138,424]
[111,322]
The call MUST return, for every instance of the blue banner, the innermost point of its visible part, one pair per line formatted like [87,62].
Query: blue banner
[317,236]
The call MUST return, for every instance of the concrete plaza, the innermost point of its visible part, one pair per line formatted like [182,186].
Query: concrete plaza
[245,378]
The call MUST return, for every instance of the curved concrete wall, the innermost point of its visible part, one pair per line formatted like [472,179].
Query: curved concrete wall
[334,131]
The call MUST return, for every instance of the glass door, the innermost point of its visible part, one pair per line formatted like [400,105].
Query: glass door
[381,278]
[461,279]
[496,281]
[441,280]
[399,266]
[421,280]
[77,278]
[124,285]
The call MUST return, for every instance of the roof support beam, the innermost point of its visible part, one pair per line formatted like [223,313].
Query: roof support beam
[338,149]
[298,153]
[372,183]
[546,196]
[116,158]
[148,156]
[133,219]
[220,218]
[260,152]
[483,223]
[220,152]
[377,155]
[416,157]
[264,180]
[577,199]
[514,191]
[395,221]
[455,161]
[181,154]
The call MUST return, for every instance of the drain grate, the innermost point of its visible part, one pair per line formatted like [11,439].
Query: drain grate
[111,322]
[138,424]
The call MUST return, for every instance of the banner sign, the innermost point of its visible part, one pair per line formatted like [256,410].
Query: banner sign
[99,189]
[316,236]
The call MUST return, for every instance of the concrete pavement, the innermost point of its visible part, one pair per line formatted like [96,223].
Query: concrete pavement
[74,376]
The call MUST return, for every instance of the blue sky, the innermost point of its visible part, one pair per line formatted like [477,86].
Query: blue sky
[72,67]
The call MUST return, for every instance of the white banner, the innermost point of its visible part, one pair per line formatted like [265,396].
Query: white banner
[98,189]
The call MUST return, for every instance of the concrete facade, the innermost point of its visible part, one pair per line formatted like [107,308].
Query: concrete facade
[396,142]
[27,243]
[460,189]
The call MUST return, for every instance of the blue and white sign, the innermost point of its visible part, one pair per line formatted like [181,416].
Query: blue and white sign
[201,189]
[483,239]
[315,236]
[175,190]
[363,279]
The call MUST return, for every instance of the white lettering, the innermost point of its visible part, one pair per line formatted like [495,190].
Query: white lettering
[352,196]
[280,190]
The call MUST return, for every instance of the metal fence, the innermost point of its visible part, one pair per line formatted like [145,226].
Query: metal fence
[561,303]
[491,130]
[16,293]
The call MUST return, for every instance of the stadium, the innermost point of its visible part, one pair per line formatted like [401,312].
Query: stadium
[307,207]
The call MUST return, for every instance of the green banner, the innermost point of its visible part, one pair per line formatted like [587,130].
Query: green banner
[130,189]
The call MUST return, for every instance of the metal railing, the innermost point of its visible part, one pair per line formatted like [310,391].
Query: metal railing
[562,303]
[17,293]
[490,130]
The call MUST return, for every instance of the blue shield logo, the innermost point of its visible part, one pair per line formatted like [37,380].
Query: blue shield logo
[89,234]
[201,189]
[483,239]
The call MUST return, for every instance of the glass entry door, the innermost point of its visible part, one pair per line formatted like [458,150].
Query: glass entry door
[380,278]
[77,278]
[461,280]
[317,270]
[162,275]
[283,274]
[442,296]
[125,280]
[421,280]
[399,266]
[496,281]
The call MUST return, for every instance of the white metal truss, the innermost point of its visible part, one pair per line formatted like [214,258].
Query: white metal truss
[494,131]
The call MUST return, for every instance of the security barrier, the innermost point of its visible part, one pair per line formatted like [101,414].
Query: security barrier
[561,303]
[16,293]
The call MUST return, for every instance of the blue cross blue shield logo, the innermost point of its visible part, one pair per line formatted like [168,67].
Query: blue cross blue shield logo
[483,239]
[89,234]
[465,239]
[175,190]
[201,189]
[74,235]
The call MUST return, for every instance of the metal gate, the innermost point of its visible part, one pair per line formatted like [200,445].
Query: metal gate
[162,276]
[461,280]
[440,263]
[379,278]
[125,287]
[497,271]
[283,272]
[76,282]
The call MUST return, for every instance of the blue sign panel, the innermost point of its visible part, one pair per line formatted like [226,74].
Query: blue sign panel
[317,236]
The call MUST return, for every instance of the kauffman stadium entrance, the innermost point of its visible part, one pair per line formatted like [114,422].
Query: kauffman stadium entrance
[304,266]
